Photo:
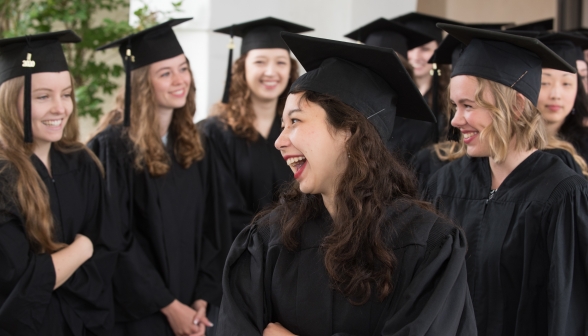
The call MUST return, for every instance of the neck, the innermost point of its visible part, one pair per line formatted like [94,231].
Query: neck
[423,83]
[165,117]
[500,171]
[42,152]
[553,128]
[329,202]
[264,109]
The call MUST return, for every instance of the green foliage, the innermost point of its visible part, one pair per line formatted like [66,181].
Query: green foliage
[92,78]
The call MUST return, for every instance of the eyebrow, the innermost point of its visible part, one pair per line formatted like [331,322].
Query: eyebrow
[465,100]
[294,111]
[169,67]
[48,89]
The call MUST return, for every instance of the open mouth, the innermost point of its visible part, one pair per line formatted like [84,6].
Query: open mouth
[469,135]
[52,123]
[298,164]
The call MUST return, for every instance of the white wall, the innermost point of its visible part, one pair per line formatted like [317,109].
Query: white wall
[208,51]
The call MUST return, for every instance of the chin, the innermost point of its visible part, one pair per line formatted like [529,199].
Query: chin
[51,139]
[305,189]
[477,153]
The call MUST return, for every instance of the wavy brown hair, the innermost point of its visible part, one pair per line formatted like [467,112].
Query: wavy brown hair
[238,114]
[357,252]
[24,187]
[149,150]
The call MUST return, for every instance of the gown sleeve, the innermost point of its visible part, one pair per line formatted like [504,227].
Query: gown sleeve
[139,290]
[88,292]
[26,280]
[566,219]
[437,299]
[216,239]
[244,310]
[239,213]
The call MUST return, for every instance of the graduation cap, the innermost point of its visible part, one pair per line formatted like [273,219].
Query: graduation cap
[370,79]
[387,34]
[451,48]
[541,26]
[258,34]
[508,59]
[148,46]
[424,23]
[567,45]
[26,55]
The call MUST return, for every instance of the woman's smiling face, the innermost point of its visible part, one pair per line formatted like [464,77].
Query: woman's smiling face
[51,105]
[470,118]
[313,149]
[267,72]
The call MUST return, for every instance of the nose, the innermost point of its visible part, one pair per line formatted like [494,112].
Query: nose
[555,92]
[283,141]
[176,78]
[58,105]
[269,69]
[458,119]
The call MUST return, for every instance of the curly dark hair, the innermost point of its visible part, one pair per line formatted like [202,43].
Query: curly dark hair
[357,251]
[238,114]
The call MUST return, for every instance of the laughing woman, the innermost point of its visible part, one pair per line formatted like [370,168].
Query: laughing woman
[243,127]
[348,250]
[524,212]
[57,246]
[163,179]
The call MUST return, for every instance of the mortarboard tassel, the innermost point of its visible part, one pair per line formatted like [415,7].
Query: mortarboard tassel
[28,129]
[435,101]
[128,59]
[28,64]
[227,91]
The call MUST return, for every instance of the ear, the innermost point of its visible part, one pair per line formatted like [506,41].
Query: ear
[347,134]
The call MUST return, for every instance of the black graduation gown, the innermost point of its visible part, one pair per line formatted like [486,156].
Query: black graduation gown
[425,163]
[83,304]
[179,237]
[580,144]
[264,282]
[251,172]
[528,245]
[410,136]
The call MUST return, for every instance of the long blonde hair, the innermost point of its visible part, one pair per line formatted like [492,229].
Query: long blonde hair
[27,189]
[238,114]
[149,150]
[511,118]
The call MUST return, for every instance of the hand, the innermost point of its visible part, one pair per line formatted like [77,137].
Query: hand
[181,319]
[276,329]
[201,319]
[85,245]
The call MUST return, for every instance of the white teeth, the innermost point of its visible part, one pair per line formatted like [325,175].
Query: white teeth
[469,135]
[293,160]
[52,122]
